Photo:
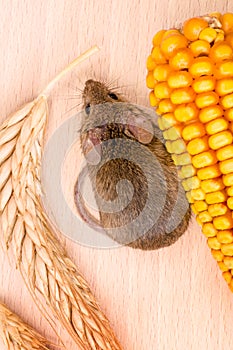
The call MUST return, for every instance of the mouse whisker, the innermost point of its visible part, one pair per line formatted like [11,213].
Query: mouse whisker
[72,108]
[76,89]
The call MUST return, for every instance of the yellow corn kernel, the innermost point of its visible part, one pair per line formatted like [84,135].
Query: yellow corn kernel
[221,51]
[158,37]
[166,106]
[201,66]
[225,153]
[182,59]
[170,32]
[179,79]
[216,125]
[174,132]
[213,243]
[208,34]
[187,171]
[220,140]
[193,27]
[186,112]
[189,197]
[217,254]
[230,191]
[165,135]
[217,15]
[168,145]
[220,36]
[228,179]
[225,236]
[179,147]
[227,276]
[228,261]
[227,22]
[161,72]
[231,127]
[230,203]
[200,206]
[194,210]
[204,84]
[223,69]
[204,217]
[224,86]
[227,249]
[209,113]
[192,182]
[173,43]
[216,197]
[223,222]
[199,221]
[209,172]
[200,47]
[150,64]
[198,194]
[222,266]
[183,95]
[160,123]
[212,185]
[204,159]
[227,101]
[230,285]
[168,120]
[153,100]
[209,230]
[192,131]
[198,145]
[162,90]
[206,99]
[150,80]
[217,209]
[181,159]
[229,114]
[226,166]
[158,56]
[229,39]
[184,184]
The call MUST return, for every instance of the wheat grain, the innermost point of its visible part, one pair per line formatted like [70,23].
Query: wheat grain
[44,265]
[17,335]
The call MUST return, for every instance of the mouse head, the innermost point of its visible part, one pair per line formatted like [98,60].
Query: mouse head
[96,92]
[109,116]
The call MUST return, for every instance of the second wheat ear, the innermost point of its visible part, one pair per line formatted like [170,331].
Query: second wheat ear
[46,269]
[16,334]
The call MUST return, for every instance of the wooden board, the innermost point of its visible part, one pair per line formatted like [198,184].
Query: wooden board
[173,298]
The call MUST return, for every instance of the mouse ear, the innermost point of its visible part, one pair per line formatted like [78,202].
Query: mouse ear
[139,128]
[91,148]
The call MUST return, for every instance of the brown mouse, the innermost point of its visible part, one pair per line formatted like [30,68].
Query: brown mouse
[138,193]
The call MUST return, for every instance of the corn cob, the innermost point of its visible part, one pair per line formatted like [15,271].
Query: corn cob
[190,74]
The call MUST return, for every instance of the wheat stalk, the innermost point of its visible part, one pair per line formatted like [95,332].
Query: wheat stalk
[47,271]
[17,335]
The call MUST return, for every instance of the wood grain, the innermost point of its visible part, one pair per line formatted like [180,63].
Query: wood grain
[173,298]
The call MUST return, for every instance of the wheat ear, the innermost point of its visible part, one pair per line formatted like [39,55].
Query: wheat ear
[17,335]
[47,271]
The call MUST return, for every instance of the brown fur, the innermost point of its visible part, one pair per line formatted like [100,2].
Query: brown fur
[161,182]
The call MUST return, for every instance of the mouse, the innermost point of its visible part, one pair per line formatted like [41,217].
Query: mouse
[141,202]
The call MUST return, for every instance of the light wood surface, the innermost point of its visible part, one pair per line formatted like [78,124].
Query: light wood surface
[173,298]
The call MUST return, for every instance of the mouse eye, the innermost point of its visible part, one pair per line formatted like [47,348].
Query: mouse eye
[88,108]
[113,96]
